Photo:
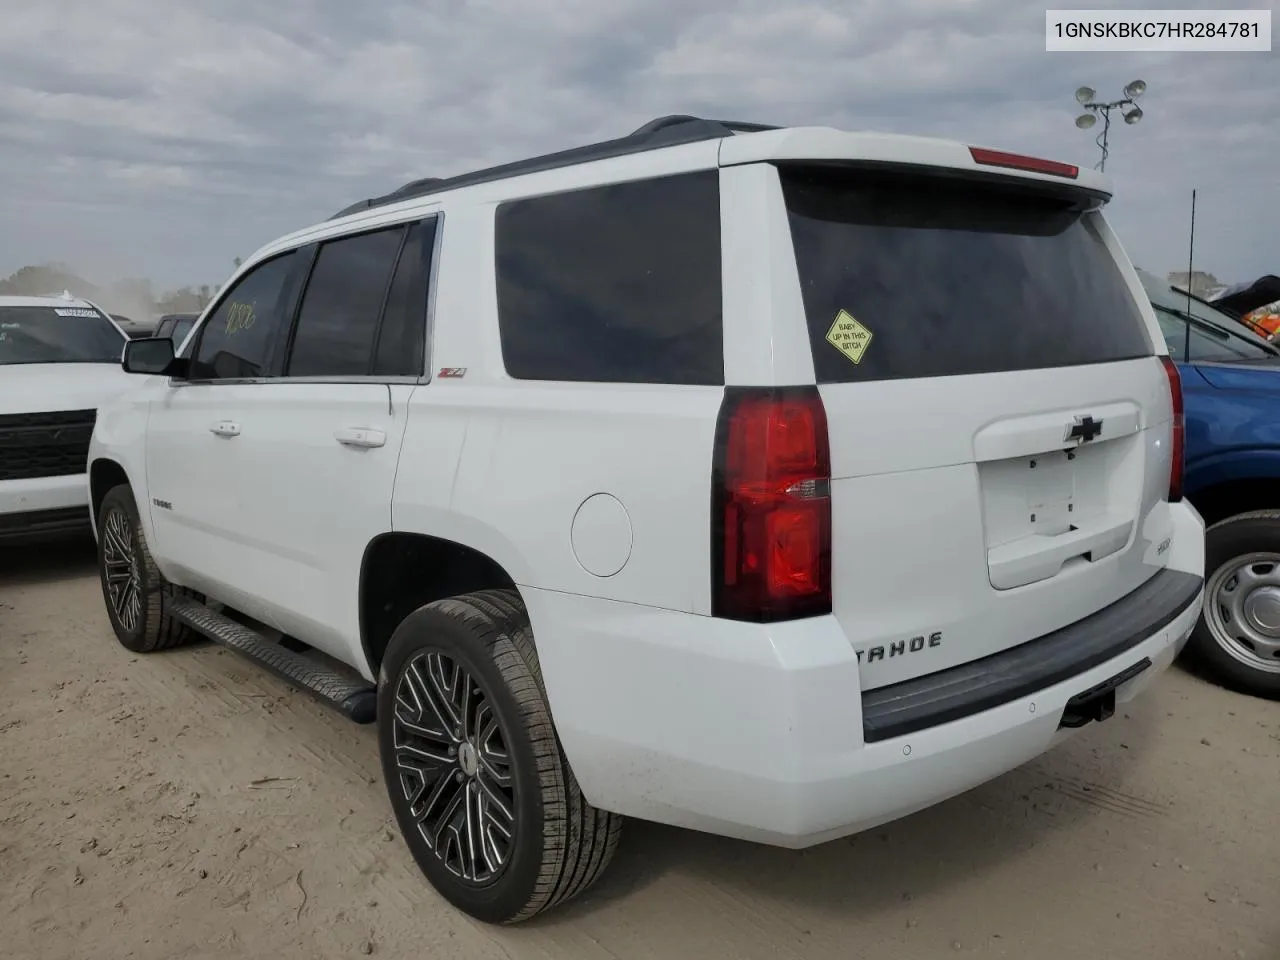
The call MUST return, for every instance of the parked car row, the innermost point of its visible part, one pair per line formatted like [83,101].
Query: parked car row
[1256,305]
[1231,387]
[691,476]
[59,362]
[176,326]
[131,327]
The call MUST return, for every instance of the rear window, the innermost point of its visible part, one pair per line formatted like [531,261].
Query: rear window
[619,283]
[58,335]
[920,277]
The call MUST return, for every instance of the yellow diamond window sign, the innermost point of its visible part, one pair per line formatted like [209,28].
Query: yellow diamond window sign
[849,336]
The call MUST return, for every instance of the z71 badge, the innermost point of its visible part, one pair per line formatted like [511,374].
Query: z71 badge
[901,648]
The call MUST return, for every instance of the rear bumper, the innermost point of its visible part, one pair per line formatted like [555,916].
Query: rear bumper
[751,730]
[43,508]
[970,688]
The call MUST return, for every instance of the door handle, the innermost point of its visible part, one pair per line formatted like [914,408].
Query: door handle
[225,428]
[360,437]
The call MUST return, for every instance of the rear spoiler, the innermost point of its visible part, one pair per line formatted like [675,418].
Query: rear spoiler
[822,146]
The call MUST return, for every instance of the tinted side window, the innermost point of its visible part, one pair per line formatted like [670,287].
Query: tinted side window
[1174,329]
[933,277]
[614,284]
[236,341]
[404,322]
[342,305]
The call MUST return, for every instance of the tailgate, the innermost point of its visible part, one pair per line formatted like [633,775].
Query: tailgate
[999,424]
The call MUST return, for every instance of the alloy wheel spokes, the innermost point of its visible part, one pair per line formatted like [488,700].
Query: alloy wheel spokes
[119,561]
[494,761]
[454,767]
[419,697]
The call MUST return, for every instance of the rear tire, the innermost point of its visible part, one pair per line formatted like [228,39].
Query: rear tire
[132,586]
[479,784]
[1237,640]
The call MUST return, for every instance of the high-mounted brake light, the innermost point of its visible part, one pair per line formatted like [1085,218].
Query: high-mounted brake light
[1178,451]
[771,506]
[1016,161]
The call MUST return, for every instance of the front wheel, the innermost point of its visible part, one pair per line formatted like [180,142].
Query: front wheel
[481,790]
[1237,639]
[132,585]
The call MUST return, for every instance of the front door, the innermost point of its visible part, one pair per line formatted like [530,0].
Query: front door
[291,475]
[195,466]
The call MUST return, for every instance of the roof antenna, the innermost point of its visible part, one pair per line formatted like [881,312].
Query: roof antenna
[1191,257]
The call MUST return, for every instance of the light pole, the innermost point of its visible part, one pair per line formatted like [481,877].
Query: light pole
[1127,106]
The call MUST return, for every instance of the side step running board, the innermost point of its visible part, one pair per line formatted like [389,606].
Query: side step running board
[351,695]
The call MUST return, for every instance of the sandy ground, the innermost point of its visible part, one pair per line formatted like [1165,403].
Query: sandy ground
[186,805]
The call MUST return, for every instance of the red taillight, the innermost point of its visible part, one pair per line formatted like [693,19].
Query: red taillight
[1179,430]
[1016,161]
[771,506]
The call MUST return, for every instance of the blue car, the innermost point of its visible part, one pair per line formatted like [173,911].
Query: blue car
[1231,391]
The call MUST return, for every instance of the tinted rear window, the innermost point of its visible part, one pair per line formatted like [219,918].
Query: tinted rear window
[949,277]
[404,319]
[618,284]
[342,306]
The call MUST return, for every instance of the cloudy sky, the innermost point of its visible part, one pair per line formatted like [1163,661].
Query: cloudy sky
[163,138]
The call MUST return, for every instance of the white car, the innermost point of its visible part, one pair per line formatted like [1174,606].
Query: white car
[769,482]
[59,359]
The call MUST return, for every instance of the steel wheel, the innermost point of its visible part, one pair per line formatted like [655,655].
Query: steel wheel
[454,768]
[120,568]
[1242,610]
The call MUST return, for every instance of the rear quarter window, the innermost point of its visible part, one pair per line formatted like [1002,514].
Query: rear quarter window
[617,284]
[952,277]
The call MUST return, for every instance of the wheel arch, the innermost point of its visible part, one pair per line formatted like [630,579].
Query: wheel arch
[1231,496]
[104,474]
[402,571]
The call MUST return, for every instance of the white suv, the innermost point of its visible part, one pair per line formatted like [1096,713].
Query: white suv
[59,359]
[769,482]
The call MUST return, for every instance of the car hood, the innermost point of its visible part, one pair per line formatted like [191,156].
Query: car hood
[48,387]
[1255,376]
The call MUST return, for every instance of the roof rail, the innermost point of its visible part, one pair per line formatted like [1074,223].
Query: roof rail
[662,132]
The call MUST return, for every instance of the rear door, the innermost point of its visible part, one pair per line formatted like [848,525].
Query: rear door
[999,425]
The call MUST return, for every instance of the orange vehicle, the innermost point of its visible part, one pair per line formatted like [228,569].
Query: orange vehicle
[1265,321]
[1256,305]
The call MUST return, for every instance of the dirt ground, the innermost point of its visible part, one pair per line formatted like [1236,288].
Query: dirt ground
[187,805]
